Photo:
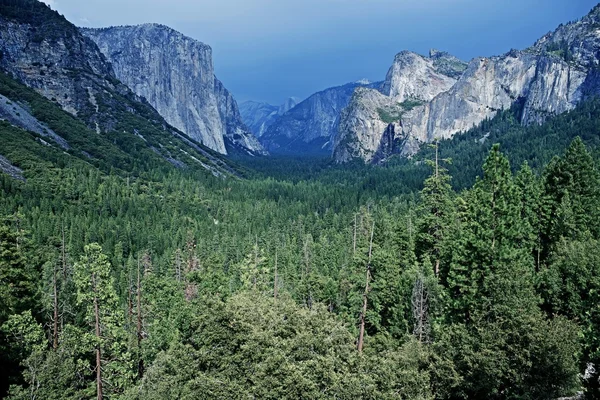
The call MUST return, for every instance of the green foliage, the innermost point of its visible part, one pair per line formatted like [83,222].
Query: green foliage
[389,116]
[514,256]
[274,349]
[560,49]
[409,104]
[48,24]
[96,293]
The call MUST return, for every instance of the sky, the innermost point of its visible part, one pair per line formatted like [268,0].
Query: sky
[269,50]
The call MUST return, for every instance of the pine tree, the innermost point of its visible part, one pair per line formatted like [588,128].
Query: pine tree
[575,174]
[494,307]
[436,216]
[492,265]
[96,292]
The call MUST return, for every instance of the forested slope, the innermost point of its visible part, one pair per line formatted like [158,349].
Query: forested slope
[212,287]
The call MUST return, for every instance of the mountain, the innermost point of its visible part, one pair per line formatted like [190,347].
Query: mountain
[176,75]
[259,116]
[107,124]
[370,126]
[311,126]
[424,98]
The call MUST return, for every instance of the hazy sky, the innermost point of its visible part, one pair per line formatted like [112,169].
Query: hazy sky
[269,50]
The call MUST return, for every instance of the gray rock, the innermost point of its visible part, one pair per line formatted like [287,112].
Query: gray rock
[237,136]
[312,125]
[10,170]
[176,75]
[550,77]
[413,76]
[19,116]
[260,116]
[59,63]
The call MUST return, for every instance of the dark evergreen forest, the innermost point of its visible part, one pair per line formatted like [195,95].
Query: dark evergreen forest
[471,270]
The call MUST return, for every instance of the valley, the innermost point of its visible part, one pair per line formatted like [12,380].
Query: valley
[430,236]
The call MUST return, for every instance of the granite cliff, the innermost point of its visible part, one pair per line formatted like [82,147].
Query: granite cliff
[424,98]
[312,125]
[175,74]
[41,50]
[260,116]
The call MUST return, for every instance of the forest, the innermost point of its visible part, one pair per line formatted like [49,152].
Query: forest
[468,271]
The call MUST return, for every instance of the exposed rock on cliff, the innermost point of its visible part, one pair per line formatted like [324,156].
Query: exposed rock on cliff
[260,116]
[176,75]
[312,125]
[446,96]
[41,50]
[47,53]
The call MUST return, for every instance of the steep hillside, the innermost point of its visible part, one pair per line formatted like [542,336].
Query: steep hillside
[45,52]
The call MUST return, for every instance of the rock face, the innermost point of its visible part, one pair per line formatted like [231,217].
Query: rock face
[259,116]
[312,125]
[40,49]
[372,116]
[176,75]
[439,96]
[413,76]
[19,116]
[237,137]
[57,61]
[361,125]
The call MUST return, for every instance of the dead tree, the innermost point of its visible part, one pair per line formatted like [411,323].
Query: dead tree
[420,308]
[361,334]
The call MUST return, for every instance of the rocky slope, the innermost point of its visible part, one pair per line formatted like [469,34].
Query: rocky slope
[47,53]
[444,97]
[373,125]
[259,116]
[312,125]
[40,49]
[176,75]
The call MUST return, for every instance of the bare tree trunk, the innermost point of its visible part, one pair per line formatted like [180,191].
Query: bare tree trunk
[55,306]
[64,253]
[178,265]
[354,237]
[275,278]
[98,351]
[361,334]
[307,271]
[420,309]
[436,159]
[130,302]
[139,321]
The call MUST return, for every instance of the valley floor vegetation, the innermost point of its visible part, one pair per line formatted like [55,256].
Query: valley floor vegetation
[422,279]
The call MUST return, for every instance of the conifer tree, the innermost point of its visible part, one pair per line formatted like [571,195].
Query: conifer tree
[96,292]
[436,215]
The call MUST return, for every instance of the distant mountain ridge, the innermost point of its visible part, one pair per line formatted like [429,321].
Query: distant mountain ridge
[424,98]
[259,116]
[312,125]
[175,74]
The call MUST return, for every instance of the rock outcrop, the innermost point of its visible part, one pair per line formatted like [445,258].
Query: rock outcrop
[439,96]
[58,62]
[176,76]
[41,50]
[312,125]
[372,115]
